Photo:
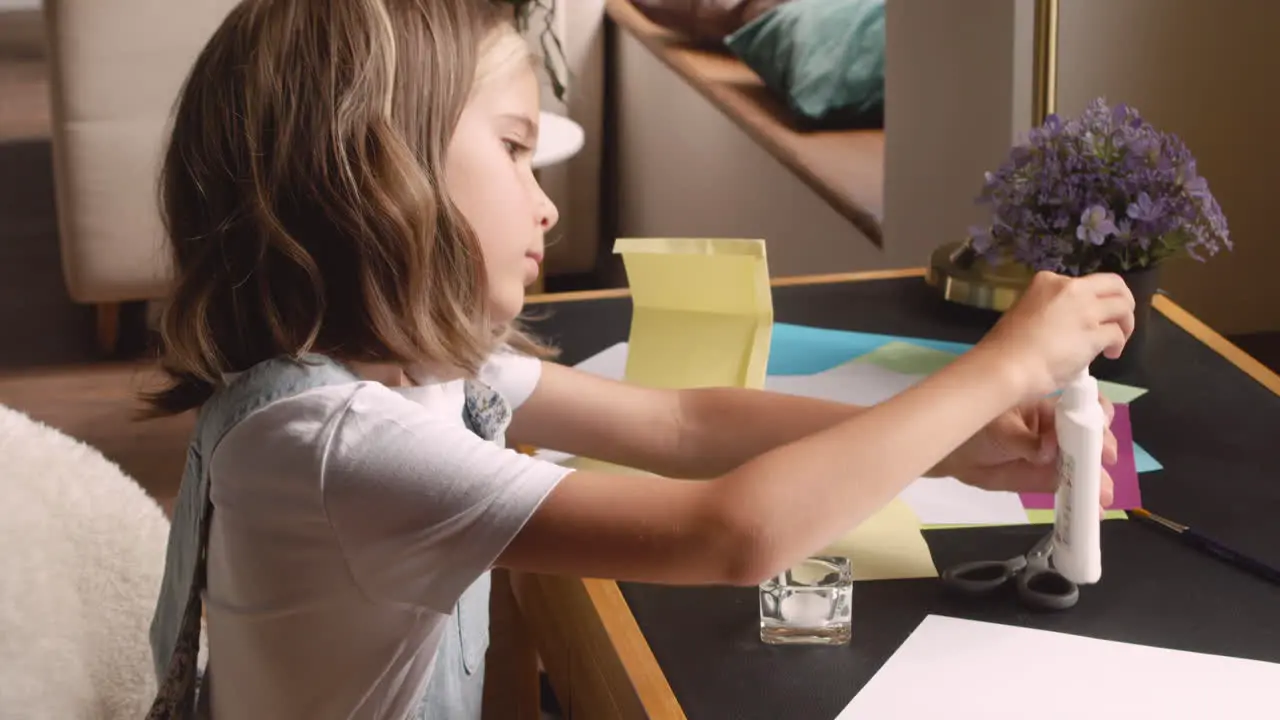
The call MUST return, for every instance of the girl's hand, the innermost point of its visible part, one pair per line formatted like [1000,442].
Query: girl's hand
[1058,326]
[1018,452]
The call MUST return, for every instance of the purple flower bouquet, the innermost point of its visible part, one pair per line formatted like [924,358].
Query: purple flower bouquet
[1103,192]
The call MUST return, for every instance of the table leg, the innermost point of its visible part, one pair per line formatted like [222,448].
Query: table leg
[511,688]
[595,655]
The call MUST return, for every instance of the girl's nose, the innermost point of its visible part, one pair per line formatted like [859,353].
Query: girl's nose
[548,214]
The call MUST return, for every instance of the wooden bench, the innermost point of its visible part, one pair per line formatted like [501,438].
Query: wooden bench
[845,168]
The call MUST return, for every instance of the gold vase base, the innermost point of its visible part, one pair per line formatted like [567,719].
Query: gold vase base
[963,279]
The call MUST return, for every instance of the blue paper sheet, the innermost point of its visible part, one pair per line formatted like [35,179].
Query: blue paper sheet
[804,350]
[1144,461]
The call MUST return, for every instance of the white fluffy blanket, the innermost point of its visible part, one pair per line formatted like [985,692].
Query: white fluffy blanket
[81,556]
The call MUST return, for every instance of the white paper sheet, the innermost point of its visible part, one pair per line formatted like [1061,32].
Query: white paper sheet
[960,669]
[936,501]
[608,363]
[947,501]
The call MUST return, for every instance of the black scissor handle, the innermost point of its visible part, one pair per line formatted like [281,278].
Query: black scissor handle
[982,576]
[1047,590]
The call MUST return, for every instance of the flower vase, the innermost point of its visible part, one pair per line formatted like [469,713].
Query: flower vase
[1143,283]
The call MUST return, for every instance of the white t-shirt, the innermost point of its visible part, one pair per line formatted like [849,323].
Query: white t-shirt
[347,521]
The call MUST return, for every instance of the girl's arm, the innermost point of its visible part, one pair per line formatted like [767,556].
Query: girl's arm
[747,524]
[697,433]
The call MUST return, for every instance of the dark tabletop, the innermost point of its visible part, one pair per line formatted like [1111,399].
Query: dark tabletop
[1215,430]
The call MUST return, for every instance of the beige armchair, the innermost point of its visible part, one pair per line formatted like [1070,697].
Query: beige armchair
[116,67]
[115,70]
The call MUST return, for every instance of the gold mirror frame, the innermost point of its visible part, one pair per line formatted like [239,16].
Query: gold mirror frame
[953,268]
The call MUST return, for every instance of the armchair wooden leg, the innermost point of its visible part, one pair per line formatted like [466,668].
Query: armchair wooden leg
[108,328]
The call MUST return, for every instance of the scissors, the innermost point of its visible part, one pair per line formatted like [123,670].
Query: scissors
[1039,585]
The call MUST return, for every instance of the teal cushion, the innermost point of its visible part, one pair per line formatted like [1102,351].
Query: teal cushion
[824,57]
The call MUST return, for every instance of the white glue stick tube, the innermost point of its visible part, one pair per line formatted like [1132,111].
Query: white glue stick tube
[1080,424]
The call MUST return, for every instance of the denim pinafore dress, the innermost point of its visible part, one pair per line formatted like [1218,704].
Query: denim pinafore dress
[457,681]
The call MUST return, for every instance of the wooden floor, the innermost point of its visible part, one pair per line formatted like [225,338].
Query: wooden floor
[96,403]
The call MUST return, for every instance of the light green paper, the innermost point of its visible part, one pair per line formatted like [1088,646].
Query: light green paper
[911,359]
[1120,394]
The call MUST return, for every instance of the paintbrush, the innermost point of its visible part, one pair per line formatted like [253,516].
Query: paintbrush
[1209,545]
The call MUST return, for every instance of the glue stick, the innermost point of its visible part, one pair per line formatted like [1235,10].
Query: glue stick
[1077,520]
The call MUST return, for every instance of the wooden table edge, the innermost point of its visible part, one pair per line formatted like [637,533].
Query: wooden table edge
[646,675]
[632,648]
[786,281]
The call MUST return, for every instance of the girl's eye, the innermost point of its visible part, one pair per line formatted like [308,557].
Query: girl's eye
[514,149]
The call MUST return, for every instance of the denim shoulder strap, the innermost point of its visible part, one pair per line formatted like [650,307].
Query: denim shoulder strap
[456,688]
[175,626]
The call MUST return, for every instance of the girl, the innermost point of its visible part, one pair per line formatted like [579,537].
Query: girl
[354,219]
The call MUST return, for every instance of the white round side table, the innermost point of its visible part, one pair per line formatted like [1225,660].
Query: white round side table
[559,139]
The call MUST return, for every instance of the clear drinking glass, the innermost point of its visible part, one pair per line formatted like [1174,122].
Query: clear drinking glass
[809,604]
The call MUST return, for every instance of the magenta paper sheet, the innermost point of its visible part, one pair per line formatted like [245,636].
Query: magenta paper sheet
[1124,473]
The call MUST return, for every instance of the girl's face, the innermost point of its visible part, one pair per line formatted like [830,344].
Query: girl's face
[490,178]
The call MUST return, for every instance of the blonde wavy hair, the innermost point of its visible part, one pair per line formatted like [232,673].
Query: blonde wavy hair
[302,191]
